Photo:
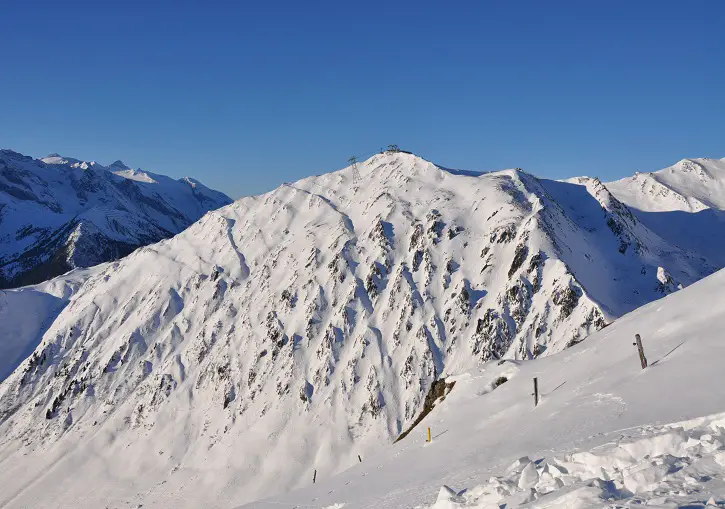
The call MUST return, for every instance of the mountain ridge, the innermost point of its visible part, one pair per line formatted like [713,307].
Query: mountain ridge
[681,203]
[59,213]
[307,325]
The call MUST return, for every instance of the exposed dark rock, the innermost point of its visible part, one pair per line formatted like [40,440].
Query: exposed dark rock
[519,257]
[454,231]
[439,389]
[567,298]
[492,337]
[503,234]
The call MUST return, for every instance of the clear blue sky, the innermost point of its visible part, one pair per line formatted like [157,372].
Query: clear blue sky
[245,97]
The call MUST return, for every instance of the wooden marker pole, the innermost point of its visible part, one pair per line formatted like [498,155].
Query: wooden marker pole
[640,349]
[314,477]
[536,391]
[358,457]
[429,439]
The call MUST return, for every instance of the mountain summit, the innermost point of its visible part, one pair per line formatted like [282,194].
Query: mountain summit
[683,204]
[118,165]
[294,330]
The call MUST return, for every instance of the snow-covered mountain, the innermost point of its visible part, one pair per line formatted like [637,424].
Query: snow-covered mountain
[684,204]
[294,331]
[60,213]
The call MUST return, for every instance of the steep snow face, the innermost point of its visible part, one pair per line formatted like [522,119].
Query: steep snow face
[26,313]
[295,330]
[684,204]
[59,213]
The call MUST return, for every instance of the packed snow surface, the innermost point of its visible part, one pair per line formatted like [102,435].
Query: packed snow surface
[299,330]
[676,465]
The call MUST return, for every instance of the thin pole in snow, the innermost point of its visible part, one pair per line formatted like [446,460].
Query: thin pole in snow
[314,477]
[429,439]
[536,391]
[358,457]
[640,349]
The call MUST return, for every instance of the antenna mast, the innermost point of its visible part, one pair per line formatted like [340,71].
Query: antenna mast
[355,172]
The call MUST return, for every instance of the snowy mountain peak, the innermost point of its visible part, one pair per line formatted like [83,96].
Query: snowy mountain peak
[683,204]
[56,158]
[118,165]
[7,154]
[190,181]
[137,175]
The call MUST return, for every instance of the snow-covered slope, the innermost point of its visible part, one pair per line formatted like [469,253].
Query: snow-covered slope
[684,204]
[605,433]
[58,213]
[26,313]
[292,331]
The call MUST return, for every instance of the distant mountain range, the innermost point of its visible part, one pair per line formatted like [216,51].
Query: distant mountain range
[292,331]
[60,213]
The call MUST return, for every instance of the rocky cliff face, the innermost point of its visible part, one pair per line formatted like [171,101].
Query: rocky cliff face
[294,330]
[57,214]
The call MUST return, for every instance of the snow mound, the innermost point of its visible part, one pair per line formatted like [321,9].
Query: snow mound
[677,465]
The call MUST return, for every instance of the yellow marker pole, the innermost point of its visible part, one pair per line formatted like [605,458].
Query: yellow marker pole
[429,435]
